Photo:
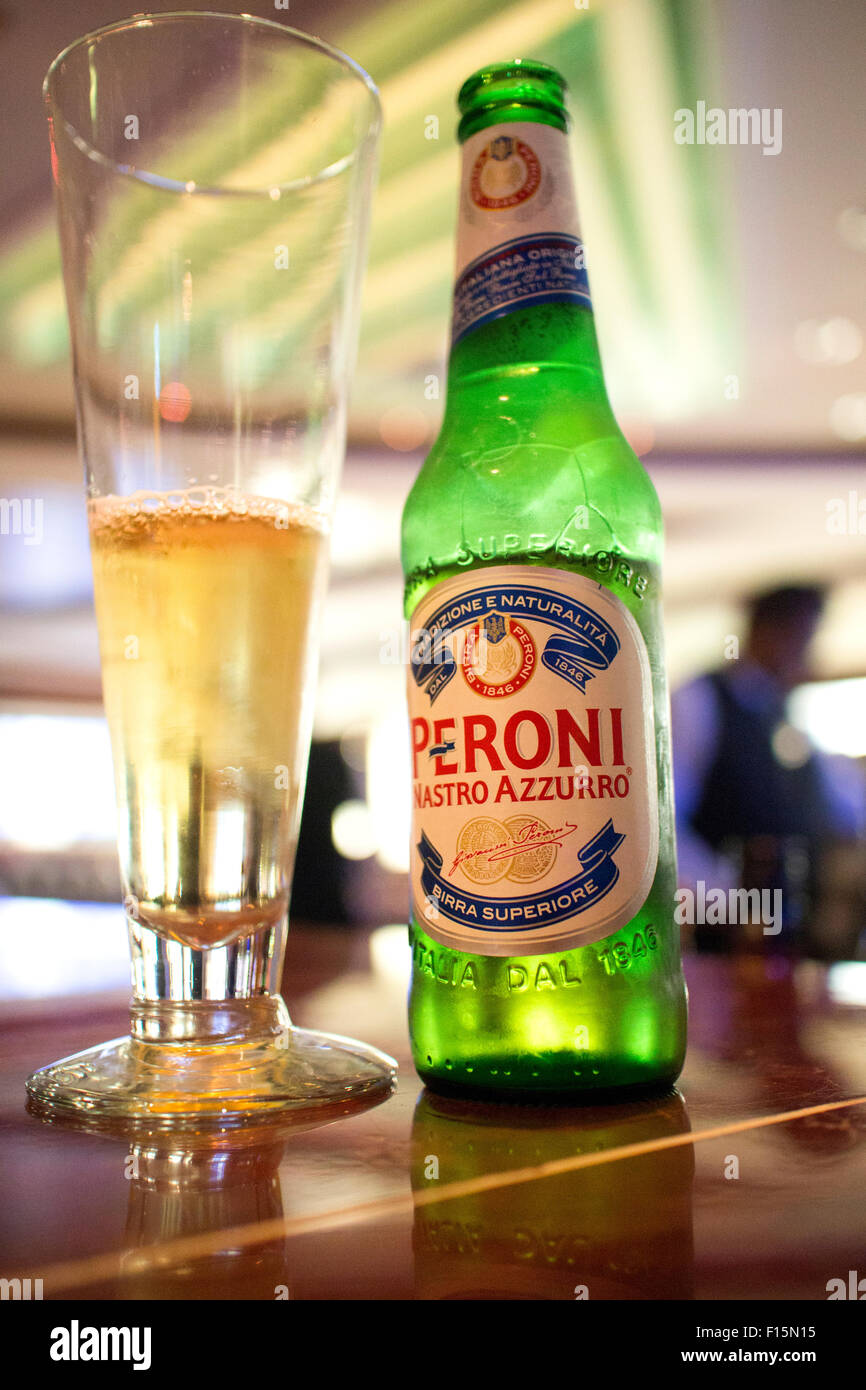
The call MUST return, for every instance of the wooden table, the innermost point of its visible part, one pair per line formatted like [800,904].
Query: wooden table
[747,1183]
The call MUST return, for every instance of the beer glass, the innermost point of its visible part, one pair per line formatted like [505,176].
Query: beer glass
[213,177]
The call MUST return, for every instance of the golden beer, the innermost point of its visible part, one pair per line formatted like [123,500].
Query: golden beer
[207,602]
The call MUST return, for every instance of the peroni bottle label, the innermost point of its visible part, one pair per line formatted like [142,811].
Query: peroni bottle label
[515,197]
[535,814]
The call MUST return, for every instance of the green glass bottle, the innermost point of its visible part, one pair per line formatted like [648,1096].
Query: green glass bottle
[545,958]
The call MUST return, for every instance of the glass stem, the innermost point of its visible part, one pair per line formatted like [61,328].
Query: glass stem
[185,994]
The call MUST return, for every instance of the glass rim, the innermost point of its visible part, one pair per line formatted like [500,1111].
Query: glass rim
[190,188]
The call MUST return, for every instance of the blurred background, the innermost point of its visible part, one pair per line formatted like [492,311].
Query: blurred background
[729,285]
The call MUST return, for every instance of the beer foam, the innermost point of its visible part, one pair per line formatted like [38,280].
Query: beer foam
[139,510]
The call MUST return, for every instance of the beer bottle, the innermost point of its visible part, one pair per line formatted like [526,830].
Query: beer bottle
[545,958]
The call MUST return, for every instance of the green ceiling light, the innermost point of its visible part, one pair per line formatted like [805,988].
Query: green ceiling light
[653,211]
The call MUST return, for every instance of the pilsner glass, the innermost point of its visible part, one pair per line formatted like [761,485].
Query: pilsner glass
[213,177]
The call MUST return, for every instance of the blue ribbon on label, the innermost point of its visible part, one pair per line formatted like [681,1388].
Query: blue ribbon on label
[545,268]
[587,646]
[597,877]
[433,674]
[577,660]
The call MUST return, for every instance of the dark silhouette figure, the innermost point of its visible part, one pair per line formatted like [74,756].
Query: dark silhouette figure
[756,801]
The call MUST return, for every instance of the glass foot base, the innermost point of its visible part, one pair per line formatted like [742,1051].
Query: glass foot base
[219,1084]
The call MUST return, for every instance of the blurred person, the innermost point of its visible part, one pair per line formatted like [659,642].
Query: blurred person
[756,801]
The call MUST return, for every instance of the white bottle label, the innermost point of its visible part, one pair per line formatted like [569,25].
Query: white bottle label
[516,197]
[535,811]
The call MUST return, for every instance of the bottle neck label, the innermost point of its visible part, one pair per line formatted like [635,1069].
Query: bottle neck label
[518,242]
[534,788]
